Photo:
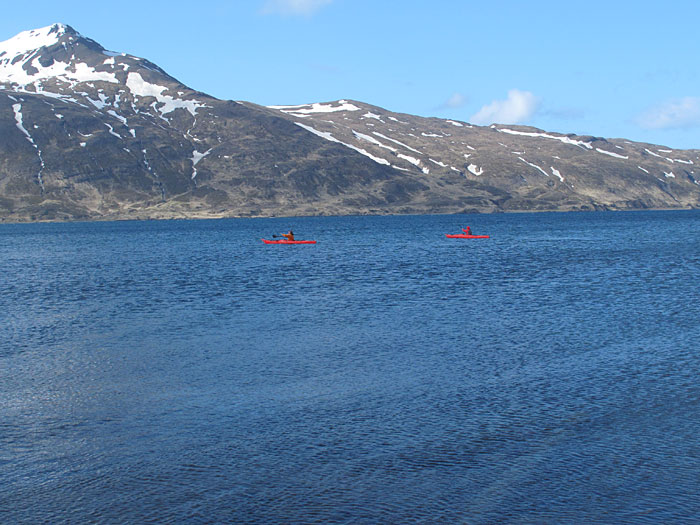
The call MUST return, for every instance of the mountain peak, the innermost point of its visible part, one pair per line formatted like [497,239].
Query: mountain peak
[53,60]
[53,52]
[28,41]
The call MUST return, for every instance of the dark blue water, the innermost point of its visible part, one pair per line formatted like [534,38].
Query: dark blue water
[185,372]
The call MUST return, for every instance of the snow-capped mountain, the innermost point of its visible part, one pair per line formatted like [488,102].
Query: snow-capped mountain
[88,133]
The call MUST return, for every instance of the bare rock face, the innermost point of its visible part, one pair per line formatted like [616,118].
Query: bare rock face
[87,133]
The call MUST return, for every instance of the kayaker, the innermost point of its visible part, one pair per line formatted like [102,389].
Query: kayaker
[468,231]
[289,236]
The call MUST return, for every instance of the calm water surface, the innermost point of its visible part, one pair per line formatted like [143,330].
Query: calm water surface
[184,372]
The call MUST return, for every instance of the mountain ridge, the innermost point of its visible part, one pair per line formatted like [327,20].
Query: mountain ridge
[90,134]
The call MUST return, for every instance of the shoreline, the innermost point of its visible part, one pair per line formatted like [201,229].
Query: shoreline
[221,216]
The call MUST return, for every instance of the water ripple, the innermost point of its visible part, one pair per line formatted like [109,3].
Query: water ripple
[184,372]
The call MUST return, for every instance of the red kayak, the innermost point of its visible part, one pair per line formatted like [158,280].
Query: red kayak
[465,236]
[285,241]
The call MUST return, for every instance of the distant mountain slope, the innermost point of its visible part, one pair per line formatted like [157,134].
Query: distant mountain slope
[87,133]
[535,169]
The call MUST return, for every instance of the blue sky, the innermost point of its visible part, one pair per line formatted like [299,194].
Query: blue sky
[613,69]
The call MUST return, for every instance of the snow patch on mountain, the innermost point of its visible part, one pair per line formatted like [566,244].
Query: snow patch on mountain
[317,107]
[564,139]
[416,162]
[330,137]
[117,116]
[112,132]
[17,108]
[196,157]
[397,120]
[322,134]
[475,170]
[18,120]
[612,154]
[139,87]
[534,166]
[19,60]
[396,142]
[13,71]
[99,104]
[28,41]
[369,114]
[672,161]
[376,159]
[372,140]
[412,160]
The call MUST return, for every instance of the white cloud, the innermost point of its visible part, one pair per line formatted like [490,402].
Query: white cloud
[293,7]
[677,113]
[517,108]
[457,100]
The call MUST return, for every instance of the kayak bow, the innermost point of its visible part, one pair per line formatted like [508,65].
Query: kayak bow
[285,241]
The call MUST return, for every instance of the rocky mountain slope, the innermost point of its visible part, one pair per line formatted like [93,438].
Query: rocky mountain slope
[86,133]
[512,167]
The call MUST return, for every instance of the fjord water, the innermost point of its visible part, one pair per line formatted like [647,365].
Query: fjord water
[184,371]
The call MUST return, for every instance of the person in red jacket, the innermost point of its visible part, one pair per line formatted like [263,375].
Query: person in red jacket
[289,236]
[468,231]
